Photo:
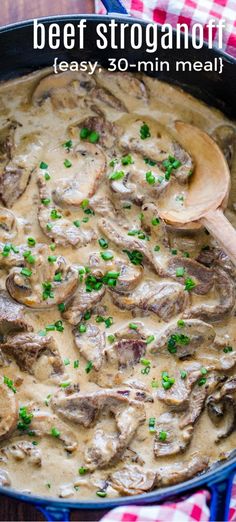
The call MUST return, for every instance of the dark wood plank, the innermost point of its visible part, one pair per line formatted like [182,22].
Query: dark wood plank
[15,10]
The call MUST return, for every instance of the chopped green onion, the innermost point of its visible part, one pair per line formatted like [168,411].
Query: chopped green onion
[127,160]
[31,241]
[82,328]
[94,137]
[144,131]
[76,223]
[67,163]
[58,277]
[106,256]
[103,243]
[189,284]
[45,201]
[180,270]
[150,178]
[150,339]
[26,272]
[55,432]
[82,470]
[88,366]
[162,436]
[118,174]
[61,307]
[155,221]
[43,165]
[133,326]
[9,383]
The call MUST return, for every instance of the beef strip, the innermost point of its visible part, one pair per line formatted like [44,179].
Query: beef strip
[177,439]
[12,317]
[128,352]
[159,146]
[7,141]
[174,473]
[103,95]
[86,409]
[120,238]
[62,230]
[27,348]
[81,302]
[163,299]
[43,423]
[224,286]
[132,480]
[185,339]
[91,345]
[202,276]
[16,174]
[107,131]
[8,411]
[221,406]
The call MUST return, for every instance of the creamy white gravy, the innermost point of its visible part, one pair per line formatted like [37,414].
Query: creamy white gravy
[58,475]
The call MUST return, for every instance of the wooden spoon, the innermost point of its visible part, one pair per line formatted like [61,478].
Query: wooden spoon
[208,189]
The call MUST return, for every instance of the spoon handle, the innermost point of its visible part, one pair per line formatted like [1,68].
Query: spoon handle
[219,226]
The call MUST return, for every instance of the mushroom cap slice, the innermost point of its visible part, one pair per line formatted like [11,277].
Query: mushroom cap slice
[8,225]
[51,85]
[43,284]
[8,411]
[85,174]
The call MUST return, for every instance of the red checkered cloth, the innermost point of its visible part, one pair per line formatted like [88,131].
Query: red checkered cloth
[192,509]
[196,507]
[188,12]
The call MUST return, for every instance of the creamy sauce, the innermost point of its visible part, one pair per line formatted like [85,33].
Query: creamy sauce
[58,474]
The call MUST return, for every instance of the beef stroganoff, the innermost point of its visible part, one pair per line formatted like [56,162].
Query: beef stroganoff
[118,332]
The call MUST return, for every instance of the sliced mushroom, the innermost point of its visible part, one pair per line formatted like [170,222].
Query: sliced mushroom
[43,284]
[176,440]
[124,85]
[88,162]
[8,225]
[221,407]
[64,89]
[44,423]
[8,411]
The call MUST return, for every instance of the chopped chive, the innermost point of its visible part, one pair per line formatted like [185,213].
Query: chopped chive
[55,432]
[88,366]
[43,165]
[31,241]
[106,256]
[26,272]
[67,163]
[118,174]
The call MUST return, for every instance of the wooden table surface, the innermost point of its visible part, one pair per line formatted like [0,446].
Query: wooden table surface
[13,11]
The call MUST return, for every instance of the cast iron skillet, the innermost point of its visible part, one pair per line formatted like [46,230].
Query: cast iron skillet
[18,58]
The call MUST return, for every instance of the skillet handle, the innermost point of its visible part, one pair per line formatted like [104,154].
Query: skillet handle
[115,6]
[220,498]
[53,513]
